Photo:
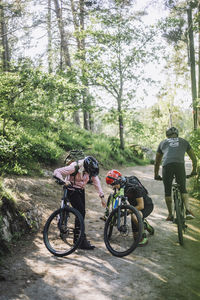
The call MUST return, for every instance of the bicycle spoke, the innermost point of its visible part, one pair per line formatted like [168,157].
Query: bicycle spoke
[179,217]
[59,232]
[118,233]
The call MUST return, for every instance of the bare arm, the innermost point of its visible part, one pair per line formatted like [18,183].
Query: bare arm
[193,159]
[157,163]
[98,187]
[140,203]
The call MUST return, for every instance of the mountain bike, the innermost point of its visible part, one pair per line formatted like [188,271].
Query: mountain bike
[179,212]
[64,229]
[118,232]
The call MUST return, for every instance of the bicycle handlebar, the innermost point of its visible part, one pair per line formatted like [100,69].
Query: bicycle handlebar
[187,176]
[61,182]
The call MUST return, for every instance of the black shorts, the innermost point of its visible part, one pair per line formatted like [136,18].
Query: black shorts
[148,205]
[147,210]
[168,173]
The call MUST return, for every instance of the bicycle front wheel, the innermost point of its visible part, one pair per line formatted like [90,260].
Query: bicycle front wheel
[60,233]
[118,232]
[179,217]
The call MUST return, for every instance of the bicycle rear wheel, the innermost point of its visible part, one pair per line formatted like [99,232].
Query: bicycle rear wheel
[179,216]
[118,233]
[59,235]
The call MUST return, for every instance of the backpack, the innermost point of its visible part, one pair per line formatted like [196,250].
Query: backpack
[74,155]
[133,180]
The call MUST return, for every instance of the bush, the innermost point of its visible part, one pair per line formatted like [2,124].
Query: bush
[195,143]
[25,148]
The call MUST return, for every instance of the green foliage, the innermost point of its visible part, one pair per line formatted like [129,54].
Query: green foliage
[123,45]
[31,101]
[15,222]
[174,29]
[6,194]
[28,93]
[23,150]
[195,143]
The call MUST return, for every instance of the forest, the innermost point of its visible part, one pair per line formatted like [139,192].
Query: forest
[75,75]
[107,77]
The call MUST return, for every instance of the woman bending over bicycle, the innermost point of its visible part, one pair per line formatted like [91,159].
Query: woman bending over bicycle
[137,197]
[77,175]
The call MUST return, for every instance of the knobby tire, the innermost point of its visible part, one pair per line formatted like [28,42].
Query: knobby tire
[122,243]
[179,218]
[59,230]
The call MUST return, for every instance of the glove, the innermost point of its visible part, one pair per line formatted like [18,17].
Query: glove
[157,177]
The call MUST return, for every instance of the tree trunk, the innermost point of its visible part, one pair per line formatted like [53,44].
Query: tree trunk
[76,118]
[63,35]
[79,26]
[64,51]
[192,66]
[4,40]
[91,122]
[86,120]
[121,123]
[119,101]
[198,106]
[49,30]
[86,114]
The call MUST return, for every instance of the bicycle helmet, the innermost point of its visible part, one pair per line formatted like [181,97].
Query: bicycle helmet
[91,166]
[112,173]
[171,131]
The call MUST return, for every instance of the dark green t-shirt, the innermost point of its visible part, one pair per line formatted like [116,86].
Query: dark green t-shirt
[173,150]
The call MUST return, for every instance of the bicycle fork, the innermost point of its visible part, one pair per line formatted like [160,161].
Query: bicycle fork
[121,227]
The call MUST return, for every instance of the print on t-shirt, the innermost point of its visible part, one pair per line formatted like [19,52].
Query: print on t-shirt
[173,142]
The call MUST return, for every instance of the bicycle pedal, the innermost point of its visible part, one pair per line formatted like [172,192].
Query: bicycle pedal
[150,230]
[104,218]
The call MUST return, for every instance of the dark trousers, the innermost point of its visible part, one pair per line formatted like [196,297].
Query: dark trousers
[168,173]
[77,200]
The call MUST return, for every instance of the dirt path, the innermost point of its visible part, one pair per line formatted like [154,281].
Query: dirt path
[161,270]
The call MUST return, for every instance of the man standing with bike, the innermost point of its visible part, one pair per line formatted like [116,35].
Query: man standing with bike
[171,152]
[77,175]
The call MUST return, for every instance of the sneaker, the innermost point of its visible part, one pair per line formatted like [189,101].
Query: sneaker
[144,241]
[189,215]
[85,245]
[148,227]
[170,218]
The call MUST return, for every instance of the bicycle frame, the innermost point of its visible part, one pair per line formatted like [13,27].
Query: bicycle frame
[179,211]
[118,234]
[65,200]
[118,199]
[60,233]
